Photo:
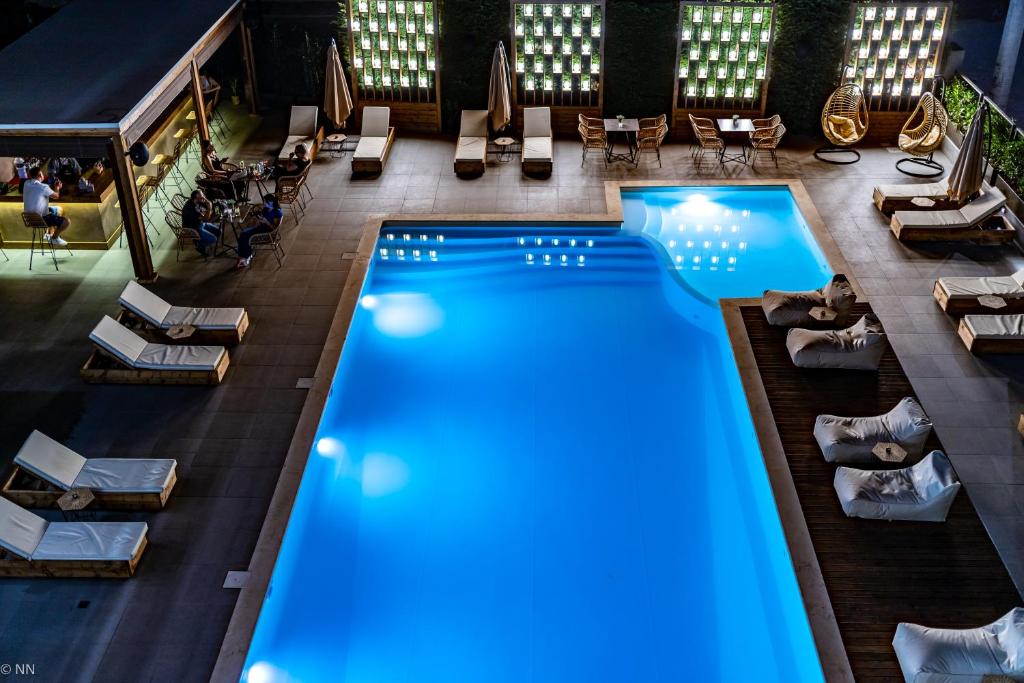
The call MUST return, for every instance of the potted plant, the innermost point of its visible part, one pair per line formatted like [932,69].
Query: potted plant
[235,98]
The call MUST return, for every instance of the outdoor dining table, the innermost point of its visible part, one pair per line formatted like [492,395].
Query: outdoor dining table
[731,129]
[613,128]
[232,215]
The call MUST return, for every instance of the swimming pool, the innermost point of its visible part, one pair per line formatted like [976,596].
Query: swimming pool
[536,462]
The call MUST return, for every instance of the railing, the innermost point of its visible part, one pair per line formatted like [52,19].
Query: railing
[1004,139]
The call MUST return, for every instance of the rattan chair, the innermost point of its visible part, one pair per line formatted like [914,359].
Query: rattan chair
[706,140]
[289,193]
[844,121]
[184,236]
[650,136]
[766,140]
[593,136]
[770,122]
[706,125]
[269,240]
[922,134]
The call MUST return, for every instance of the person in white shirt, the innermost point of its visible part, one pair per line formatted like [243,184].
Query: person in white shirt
[37,195]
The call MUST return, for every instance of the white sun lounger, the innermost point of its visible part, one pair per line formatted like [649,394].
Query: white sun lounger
[858,347]
[954,224]
[923,492]
[302,130]
[213,325]
[962,655]
[34,546]
[852,439]
[133,360]
[538,148]
[116,483]
[992,333]
[375,140]
[471,148]
[890,197]
[959,295]
[793,309]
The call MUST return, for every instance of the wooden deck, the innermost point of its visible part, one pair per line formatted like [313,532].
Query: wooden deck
[877,573]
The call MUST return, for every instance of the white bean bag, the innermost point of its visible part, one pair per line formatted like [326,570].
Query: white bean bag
[967,655]
[859,347]
[921,493]
[851,439]
[792,309]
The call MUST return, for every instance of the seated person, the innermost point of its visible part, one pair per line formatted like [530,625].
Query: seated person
[211,90]
[222,176]
[266,220]
[37,195]
[67,169]
[195,215]
[298,161]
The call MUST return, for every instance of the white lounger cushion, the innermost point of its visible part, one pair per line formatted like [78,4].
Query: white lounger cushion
[537,149]
[996,326]
[906,191]
[159,313]
[376,121]
[537,134]
[859,347]
[920,493]
[136,352]
[309,141]
[370,148]
[471,149]
[303,121]
[1008,287]
[49,460]
[962,655]
[851,439]
[790,309]
[973,213]
[31,537]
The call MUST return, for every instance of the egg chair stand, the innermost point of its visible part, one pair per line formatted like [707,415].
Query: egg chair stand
[833,149]
[935,169]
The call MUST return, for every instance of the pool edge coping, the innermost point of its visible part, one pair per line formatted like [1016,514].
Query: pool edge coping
[242,626]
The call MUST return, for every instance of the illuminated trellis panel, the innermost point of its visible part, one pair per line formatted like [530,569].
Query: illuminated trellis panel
[394,49]
[723,55]
[893,51]
[557,53]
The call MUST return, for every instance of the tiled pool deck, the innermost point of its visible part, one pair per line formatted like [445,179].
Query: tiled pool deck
[167,623]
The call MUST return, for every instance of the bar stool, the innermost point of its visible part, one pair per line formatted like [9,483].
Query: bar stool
[165,164]
[184,137]
[39,228]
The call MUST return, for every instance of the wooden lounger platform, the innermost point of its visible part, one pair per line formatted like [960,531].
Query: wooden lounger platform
[12,566]
[100,368]
[877,573]
[983,345]
[537,167]
[29,491]
[374,166]
[227,337]
[1001,235]
[969,305]
[470,168]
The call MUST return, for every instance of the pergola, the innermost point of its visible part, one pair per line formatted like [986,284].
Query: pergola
[93,78]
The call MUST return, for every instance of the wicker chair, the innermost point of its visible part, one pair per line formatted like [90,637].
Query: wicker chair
[650,136]
[766,140]
[767,123]
[593,136]
[706,140]
[706,125]
[922,134]
[844,121]
[269,240]
[289,193]
[183,236]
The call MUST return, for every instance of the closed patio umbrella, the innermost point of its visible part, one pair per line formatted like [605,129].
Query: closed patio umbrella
[499,99]
[337,101]
[968,172]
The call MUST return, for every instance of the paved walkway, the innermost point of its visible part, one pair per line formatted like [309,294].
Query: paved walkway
[167,623]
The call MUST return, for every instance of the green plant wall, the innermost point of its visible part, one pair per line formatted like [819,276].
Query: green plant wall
[810,39]
[639,57]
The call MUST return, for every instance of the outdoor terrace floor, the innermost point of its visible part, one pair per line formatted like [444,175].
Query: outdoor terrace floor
[167,623]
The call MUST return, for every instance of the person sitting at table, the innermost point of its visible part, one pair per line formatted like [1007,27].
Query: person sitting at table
[195,215]
[37,195]
[267,219]
[297,162]
[211,90]
[222,176]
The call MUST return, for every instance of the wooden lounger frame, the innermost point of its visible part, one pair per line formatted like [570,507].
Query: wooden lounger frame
[1004,235]
[47,494]
[541,167]
[470,167]
[102,368]
[963,305]
[374,166]
[13,566]
[157,335]
[889,205]
[975,345]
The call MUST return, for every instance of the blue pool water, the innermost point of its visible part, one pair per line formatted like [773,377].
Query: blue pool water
[530,472]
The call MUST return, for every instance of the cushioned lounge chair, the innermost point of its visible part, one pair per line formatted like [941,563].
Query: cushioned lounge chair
[858,347]
[962,655]
[224,326]
[302,130]
[538,150]
[992,333]
[375,140]
[471,148]
[793,309]
[889,198]
[45,469]
[952,225]
[33,546]
[123,357]
[851,439]
[959,295]
[921,493]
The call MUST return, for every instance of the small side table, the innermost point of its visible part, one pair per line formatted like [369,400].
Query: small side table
[992,301]
[504,151]
[823,314]
[922,202]
[334,144]
[889,452]
[74,501]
